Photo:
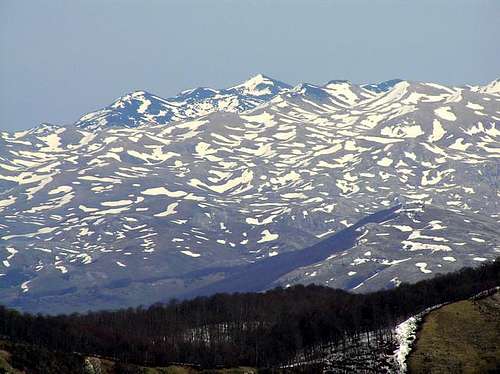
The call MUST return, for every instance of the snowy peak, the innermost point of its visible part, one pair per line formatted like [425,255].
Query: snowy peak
[338,81]
[382,86]
[131,110]
[140,107]
[141,98]
[134,95]
[339,93]
[311,91]
[492,88]
[196,94]
[43,128]
[260,85]
[346,92]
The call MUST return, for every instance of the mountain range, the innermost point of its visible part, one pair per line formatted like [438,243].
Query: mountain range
[263,184]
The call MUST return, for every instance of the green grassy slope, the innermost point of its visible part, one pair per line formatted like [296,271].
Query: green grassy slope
[463,337]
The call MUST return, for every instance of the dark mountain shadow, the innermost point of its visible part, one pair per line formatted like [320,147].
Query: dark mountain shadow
[260,275]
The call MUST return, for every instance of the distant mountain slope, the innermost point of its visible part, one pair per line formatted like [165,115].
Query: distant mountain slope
[123,216]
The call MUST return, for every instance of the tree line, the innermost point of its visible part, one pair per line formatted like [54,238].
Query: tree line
[242,329]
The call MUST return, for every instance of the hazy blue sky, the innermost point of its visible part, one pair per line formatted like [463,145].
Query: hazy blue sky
[60,59]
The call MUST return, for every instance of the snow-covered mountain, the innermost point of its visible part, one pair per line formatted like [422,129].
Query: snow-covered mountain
[258,185]
[140,107]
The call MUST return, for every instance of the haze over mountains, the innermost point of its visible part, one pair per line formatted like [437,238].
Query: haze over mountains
[359,187]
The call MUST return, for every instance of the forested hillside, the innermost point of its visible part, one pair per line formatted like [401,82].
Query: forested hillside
[272,329]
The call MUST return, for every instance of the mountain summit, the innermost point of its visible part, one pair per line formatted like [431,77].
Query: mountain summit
[139,107]
[260,86]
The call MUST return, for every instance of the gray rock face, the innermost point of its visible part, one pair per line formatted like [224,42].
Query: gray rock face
[337,184]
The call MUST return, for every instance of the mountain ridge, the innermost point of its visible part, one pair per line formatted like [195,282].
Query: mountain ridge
[187,104]
[123,215]
[204,100]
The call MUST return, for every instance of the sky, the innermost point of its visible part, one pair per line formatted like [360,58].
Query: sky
[62,59]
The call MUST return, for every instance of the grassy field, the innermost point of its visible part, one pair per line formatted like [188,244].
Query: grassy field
[463,337]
